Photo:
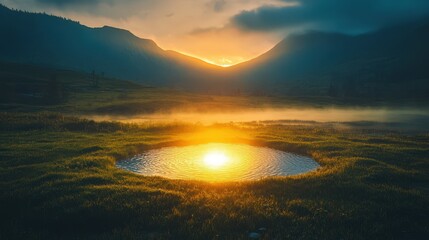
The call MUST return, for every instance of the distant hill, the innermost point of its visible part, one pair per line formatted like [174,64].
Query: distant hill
[389,63]
[42,39]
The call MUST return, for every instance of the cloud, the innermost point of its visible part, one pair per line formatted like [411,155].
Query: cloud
[198,31]
[113,9]
[65,3]
[333,15]
[218,5]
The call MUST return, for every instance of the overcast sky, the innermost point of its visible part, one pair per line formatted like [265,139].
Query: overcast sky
[226,32]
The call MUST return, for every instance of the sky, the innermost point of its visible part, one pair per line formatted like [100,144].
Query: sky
[227,32]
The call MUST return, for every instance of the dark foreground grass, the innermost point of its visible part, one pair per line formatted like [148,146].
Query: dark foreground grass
[58,180]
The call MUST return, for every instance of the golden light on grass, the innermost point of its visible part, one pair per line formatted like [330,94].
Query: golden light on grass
[215,159]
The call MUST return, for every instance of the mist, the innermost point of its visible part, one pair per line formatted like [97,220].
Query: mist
[407,116]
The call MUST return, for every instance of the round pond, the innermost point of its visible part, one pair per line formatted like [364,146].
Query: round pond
[218,162]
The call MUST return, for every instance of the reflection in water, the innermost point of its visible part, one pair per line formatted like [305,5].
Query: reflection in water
[215,159]
[218,162]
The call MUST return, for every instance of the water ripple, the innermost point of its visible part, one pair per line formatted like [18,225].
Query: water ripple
[241,162]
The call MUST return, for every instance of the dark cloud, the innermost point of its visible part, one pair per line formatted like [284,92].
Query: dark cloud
[333,15]
[65,3]
[114,9]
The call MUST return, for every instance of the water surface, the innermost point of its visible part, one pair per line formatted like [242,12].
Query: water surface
[218,162]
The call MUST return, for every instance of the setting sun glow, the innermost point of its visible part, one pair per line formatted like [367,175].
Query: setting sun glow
[215,159]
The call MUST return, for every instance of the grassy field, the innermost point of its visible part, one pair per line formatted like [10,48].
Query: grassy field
[59,180]
[25,88]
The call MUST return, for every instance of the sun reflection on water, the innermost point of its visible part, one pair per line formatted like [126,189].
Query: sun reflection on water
[218,162]
[215,159]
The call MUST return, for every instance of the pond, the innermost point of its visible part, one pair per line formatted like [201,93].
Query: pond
[218,162]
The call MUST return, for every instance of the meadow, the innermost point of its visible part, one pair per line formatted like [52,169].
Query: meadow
[59,179]
[26,88]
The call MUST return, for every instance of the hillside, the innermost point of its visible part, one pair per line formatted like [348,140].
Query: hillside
[386,64]
[46,40]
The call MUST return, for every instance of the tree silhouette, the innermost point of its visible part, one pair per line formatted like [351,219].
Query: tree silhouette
[94,79]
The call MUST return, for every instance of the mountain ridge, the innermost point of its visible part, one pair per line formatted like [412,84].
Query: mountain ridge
[55,41]
[310,63]
[385,63]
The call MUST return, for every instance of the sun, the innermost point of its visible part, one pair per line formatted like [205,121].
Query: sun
[215,159]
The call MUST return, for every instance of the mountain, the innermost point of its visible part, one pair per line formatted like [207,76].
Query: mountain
[46,40]
[389,63]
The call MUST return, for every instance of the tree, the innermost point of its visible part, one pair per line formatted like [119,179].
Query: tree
[94,79]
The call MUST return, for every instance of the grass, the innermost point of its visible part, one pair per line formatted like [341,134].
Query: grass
[59,180]
[26,88]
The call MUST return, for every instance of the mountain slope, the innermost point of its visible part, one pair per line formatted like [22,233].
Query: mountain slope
[53,41]
[386,63]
